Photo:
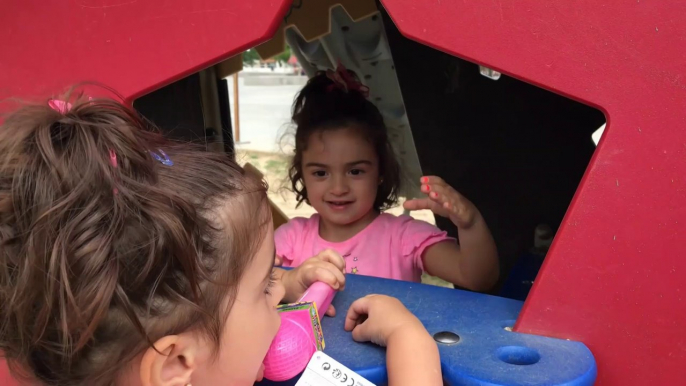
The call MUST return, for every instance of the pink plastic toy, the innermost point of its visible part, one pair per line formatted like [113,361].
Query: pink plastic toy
[296,342]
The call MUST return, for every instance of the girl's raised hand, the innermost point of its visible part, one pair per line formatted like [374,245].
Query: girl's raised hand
[444,201]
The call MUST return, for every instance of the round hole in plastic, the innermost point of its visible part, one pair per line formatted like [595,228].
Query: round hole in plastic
[518,355]
[345,28]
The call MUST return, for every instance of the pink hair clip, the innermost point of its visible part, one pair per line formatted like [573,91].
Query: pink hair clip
[346,81]
[63,107]
[60,106]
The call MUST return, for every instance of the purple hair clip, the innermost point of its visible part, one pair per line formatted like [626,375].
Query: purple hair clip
[164,161]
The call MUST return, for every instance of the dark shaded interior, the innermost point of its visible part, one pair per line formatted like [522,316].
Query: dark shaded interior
[517,151]
[177,109]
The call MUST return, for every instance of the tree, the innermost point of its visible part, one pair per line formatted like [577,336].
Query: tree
[250,56]
[284,56]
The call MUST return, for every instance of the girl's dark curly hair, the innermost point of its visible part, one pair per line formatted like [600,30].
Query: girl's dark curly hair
[322,105]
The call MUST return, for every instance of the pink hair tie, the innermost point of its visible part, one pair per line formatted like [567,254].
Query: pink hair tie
[60,106]
[63,107]
[344,80]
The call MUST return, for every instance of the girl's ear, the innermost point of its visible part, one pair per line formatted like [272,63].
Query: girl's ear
[171,362]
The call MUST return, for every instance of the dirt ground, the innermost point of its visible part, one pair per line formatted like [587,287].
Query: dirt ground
[274,166]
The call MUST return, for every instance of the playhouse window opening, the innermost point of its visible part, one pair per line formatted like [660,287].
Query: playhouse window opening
[517,151]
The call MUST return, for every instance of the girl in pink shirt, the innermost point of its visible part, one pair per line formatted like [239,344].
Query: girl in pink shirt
[344,168]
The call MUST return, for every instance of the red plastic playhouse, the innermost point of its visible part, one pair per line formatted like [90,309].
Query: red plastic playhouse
[614,278]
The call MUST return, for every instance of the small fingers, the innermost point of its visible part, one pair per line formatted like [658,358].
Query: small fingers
[360,333]
[358,312]
[358,309]
[328,276]
[332,257]
[331,311]
[432,180]
[418,204]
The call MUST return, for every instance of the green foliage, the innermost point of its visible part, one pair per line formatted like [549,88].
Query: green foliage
[250,56]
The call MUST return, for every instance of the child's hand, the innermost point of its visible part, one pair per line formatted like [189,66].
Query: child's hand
[379,318]
[445,201]
[328,267]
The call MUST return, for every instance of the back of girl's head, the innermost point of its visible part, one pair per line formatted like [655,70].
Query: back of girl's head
[324,104]
[103,249]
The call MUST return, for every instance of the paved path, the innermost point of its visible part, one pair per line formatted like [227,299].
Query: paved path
[265,114]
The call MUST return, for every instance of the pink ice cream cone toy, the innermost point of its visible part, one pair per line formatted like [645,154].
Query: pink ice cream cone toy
[300,334]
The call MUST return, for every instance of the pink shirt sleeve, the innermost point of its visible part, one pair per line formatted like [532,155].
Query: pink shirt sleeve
[286,239]
[416,236]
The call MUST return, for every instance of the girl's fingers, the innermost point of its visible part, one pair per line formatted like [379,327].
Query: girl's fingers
[331,311]
[332,257]
[357,310]
[332,277]
[437,188]
[432,180]
[418,204]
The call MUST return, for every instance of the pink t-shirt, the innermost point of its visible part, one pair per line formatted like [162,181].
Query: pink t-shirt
[390,247]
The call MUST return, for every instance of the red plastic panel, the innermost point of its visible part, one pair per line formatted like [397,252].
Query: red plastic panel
[615,278]
[134,46]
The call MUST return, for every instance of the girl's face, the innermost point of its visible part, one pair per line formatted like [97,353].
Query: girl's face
[341,174]
[251,326]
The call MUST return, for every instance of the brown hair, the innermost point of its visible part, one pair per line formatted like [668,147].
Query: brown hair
[98,262]
[320,106]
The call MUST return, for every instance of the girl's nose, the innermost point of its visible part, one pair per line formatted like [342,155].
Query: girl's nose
[340,186]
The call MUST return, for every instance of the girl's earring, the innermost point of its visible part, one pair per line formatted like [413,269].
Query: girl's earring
[380,181]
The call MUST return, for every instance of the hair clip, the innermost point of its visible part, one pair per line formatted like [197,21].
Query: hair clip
[164,161]
[60,106]
[346,81]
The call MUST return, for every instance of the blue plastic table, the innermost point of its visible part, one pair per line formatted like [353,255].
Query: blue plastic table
[486,354]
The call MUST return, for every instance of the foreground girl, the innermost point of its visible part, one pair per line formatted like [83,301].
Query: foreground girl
[126,259]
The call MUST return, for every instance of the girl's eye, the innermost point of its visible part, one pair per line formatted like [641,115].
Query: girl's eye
[270,284]
[356,172]
[319,173]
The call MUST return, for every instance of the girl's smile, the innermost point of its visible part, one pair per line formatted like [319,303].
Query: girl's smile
[341,173]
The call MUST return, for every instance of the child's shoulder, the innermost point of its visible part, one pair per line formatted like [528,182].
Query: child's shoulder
[404,222]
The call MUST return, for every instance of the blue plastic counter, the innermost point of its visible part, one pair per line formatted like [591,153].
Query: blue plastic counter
[486,354]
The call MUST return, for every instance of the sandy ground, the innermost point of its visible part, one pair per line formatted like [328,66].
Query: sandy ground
[274,166]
